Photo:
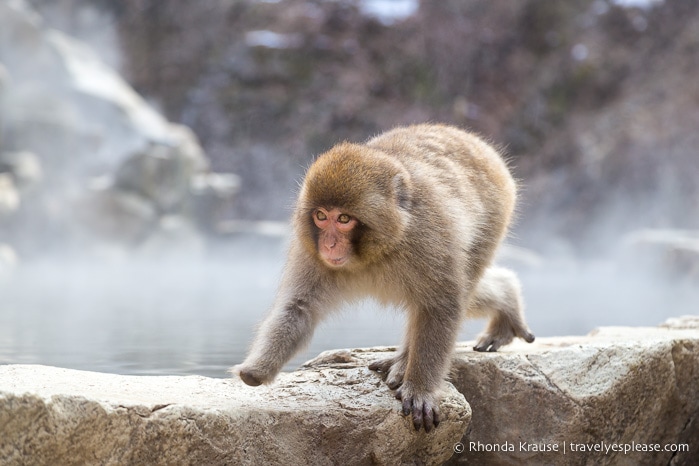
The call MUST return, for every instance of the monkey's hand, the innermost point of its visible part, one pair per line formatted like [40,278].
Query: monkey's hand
[424,406]
[250,375]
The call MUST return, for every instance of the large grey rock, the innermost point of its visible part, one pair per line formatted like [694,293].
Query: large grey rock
[211,195]
[335,413]
[120,216]
[615,388]
[103,165]
[673,253]
[164,174]
[64,103]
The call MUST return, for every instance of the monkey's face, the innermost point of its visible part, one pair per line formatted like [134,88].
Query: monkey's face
[334,235]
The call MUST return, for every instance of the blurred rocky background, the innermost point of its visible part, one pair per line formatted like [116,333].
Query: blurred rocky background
[86,164]
[592,100]
[157,126]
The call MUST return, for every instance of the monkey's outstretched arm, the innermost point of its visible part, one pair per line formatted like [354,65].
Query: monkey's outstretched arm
[286,330]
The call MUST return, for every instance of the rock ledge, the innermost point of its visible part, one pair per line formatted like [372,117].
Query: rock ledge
[327,415]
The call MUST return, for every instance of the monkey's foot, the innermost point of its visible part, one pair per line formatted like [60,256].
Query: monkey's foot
[392,368]
[424,406]
[497,336]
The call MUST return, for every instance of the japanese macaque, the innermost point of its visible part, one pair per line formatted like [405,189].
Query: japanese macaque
[412,218]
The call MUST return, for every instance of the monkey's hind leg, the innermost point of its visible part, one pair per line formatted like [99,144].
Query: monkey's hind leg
[498,296]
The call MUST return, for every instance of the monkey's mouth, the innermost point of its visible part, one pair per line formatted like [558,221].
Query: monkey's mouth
[335,262]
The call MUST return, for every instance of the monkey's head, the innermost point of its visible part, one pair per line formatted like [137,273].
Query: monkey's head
[353,207]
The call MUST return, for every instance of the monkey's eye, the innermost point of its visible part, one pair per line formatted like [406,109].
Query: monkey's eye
[343,218]
[321,216]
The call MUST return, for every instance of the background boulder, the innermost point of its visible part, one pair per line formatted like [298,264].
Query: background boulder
[84,160]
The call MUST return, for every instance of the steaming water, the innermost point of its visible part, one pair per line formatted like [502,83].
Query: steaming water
[171,317]
[198,317]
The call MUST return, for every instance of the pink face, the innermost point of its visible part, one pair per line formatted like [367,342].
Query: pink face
[334,244]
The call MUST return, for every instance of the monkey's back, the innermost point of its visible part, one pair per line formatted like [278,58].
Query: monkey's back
[456,167]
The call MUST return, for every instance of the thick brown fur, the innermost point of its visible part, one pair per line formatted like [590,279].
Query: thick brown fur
[432,203]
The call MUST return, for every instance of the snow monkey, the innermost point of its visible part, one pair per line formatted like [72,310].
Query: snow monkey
[412,218]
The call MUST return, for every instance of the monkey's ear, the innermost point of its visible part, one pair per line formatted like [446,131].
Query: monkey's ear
[402,191]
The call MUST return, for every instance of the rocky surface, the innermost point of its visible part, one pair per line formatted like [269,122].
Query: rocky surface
[614,388]
[564,400]
[334,414]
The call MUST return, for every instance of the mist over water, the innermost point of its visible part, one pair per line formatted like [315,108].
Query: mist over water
[576,298]
[170,316]
[137,316]
[198,316]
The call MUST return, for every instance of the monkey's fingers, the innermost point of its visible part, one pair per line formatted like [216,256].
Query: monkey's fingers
[382,365]
[425,414]
[392,371]
[486,344]
[424,410]
[394,382]
[492,342]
